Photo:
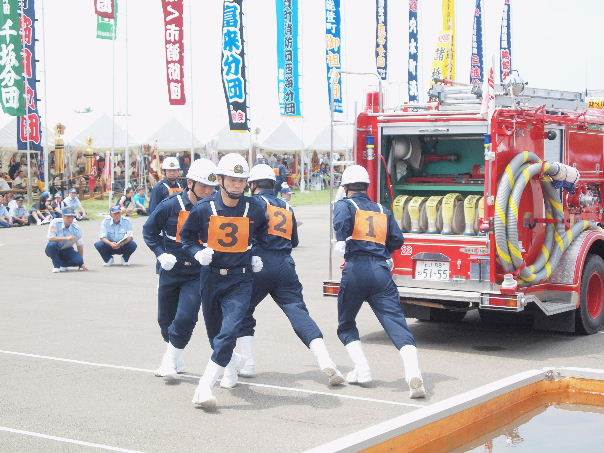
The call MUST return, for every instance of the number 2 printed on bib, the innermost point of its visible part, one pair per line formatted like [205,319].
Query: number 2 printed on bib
[280,222]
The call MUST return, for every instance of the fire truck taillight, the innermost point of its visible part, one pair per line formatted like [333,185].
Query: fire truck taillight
[331,288]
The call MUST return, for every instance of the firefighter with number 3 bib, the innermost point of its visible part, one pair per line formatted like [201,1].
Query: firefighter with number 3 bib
[366,235]
[279,279]
[178,290]
[218,234]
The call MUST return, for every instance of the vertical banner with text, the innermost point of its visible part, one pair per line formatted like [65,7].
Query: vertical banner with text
[232,65]
[12,84]
[106,27]
[449,20]
[104,8]
[175,51]
[381,38]
[505,52]
[412,79]
[476,63]
[29,126]
[288,64]
[333,49]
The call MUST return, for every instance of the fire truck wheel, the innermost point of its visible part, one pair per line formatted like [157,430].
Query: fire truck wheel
[440,315]
[590,315]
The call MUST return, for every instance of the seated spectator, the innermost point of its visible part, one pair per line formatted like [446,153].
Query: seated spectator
[116,238]
[72,201]
[4,182]
[56,205]
[5,218]
[126,204]
[140,202]
[41,211]
[9,200]
[20,181]
[19,214]
[63,234]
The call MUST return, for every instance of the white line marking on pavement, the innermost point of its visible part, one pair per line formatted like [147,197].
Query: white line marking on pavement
[276,387]
[66,440]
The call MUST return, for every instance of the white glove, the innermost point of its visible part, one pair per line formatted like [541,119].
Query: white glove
[257,264]
[166,261]
[390,264]
[340,247]
[204,256]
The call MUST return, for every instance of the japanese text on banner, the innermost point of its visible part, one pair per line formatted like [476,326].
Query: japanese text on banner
[288,73]
[505,53]
[104,8]
[12,85]
[175,50]
[333,50]
[381,38]
[412,79]
[29,126]
[106,27]
[232,65]
[476,62]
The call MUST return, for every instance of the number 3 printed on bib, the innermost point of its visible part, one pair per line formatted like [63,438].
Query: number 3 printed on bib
[229,234]
[280,222]
[370,226]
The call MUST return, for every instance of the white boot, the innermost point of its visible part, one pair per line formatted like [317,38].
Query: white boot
[361,373]
[229,378]
[326,365]
[413,375]
[168,368]
[203,397]
[180,364]
[245,346]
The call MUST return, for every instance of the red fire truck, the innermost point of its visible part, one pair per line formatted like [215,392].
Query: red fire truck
[495,215]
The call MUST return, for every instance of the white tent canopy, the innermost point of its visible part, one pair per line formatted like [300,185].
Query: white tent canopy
[283,139]
[173,136]
[231,141]
[322,143]
[8,136]
[102,137]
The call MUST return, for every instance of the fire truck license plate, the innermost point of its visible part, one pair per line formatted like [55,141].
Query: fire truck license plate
[432,270]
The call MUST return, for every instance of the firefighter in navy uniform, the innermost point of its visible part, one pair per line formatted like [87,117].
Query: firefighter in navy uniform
[279,279]
[225,223]
[167,186]
[366,235]
[178,290]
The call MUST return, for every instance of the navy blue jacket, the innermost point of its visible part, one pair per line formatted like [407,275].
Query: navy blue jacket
[161,192]
[343,224]
[160,228]
[269,241]
[196,229]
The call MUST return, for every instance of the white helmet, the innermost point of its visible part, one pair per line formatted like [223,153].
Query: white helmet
[354,173]
[261,171]
[259,156]
[170,163]
[203,171]
[233,165]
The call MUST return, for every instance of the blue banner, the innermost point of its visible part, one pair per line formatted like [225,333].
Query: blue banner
[505,52]
[381,38]
[412,80]
[29,127]
[288,72]
[476,63]
[333,49]
[232,64]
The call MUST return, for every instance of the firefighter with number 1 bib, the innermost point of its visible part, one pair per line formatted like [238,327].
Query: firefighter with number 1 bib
[178,290]
[279,279]
[225,224]
[366,235]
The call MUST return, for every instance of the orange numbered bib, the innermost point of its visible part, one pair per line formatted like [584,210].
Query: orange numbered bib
[280,221]
[370,226]
[229,234]
[174,190]
[182,218]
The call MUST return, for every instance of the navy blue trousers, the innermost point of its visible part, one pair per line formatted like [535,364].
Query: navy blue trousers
[177,306]
[278,278]
[107,252]
[63,257]
[368,279]
[225,300]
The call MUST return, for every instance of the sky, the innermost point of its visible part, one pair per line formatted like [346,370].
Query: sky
[556,44]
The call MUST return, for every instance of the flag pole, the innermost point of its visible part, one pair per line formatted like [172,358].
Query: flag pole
[45,150]
[127,151]
[191,83]
[110,163]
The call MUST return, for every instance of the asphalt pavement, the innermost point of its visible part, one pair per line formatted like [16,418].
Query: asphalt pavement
[77,351]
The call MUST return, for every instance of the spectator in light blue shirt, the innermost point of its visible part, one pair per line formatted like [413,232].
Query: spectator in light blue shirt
[63,234]
[140,202]
[18,213]
[5,218]
[116,238]
[72,201]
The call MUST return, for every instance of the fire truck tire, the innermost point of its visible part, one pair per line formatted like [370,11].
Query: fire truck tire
[590,314]
[440,315]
